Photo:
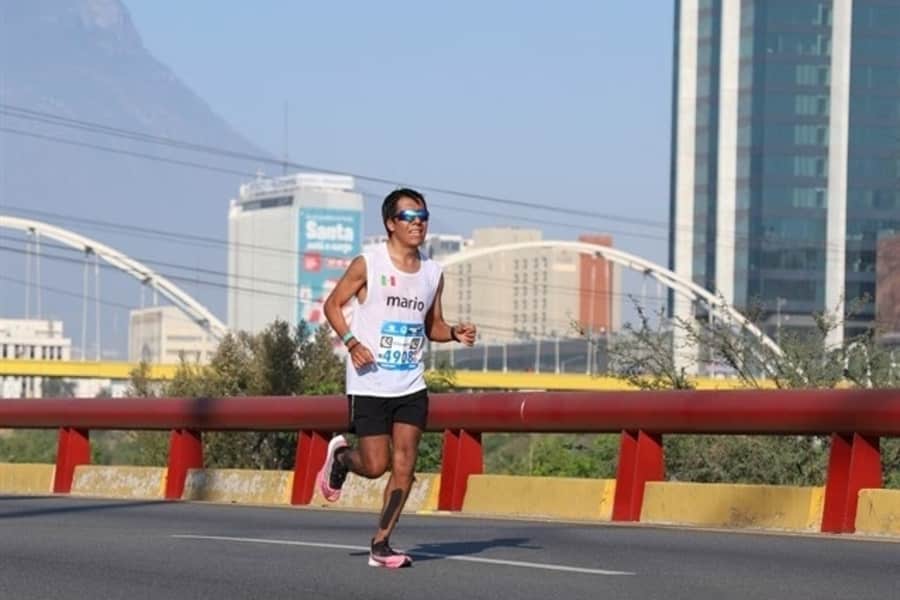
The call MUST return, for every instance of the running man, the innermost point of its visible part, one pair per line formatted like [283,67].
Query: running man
[395,292]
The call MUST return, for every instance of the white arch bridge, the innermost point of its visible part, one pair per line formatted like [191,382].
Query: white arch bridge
[199,314]
[193,309]
[717,307]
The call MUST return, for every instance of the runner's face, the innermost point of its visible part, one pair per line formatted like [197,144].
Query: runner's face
[411,233]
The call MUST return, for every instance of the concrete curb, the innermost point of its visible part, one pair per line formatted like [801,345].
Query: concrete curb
[878,512]
[119,482]
[553,497]
[26,478]
[242,486]
[700,505]
[734,506]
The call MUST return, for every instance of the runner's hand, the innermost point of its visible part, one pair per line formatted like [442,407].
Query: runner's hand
[361,356]
[466,333]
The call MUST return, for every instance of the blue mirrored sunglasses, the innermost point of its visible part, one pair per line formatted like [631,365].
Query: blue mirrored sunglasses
[411,215]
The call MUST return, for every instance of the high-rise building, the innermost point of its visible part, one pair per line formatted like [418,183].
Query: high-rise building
[786,121]
[164,334]
[531,293]
[436,245]
[599,285]
[290,240]
[30,339]
[887,289]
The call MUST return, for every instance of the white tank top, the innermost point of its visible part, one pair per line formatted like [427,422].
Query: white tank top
[391,324]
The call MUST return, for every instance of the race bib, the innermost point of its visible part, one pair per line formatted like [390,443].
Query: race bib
[400,348]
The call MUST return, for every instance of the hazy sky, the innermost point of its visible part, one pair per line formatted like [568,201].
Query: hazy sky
[565,104]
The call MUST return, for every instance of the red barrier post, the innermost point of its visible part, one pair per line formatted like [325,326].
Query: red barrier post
[640,460]
[185,452]
[73,449]
[461,457]
[854,464]
[311,449]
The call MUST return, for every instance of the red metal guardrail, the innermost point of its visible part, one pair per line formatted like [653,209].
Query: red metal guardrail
[855,420]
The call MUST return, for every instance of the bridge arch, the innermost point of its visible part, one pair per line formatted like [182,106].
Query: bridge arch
[196,311]
[670,279]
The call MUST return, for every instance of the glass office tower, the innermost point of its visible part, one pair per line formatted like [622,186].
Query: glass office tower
[785,152]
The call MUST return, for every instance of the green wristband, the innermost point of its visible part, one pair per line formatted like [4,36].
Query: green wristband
[347,337]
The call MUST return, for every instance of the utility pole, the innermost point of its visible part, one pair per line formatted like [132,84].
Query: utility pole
[556,356]
[779,302]
[286,138]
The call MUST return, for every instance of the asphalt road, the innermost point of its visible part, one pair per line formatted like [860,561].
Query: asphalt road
[88,548]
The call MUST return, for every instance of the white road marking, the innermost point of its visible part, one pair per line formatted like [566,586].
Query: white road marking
[474,559]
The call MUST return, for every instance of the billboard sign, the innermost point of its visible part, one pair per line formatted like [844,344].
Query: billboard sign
[329,240]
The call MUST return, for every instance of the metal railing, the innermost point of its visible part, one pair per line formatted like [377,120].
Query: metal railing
[854,419]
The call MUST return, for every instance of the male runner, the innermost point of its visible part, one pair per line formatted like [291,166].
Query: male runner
[395,292]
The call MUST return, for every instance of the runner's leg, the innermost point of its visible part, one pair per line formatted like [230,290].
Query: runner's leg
[370,459]
[405,441]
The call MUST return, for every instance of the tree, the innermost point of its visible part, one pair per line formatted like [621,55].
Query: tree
[807,362]
[643,355]
[321,371]
[261,365]
[28,446]
[147,448]
[275,362]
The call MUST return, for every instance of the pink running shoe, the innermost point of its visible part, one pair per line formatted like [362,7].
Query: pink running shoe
[331,477]
[382,555]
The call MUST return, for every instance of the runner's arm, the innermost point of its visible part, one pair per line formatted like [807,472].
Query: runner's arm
[352,281]
[438,330]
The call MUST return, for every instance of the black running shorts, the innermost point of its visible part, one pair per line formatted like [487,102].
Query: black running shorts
[373,415]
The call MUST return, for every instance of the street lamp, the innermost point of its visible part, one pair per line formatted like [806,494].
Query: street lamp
[779,302]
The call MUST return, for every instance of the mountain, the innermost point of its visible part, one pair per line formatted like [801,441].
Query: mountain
[84,60]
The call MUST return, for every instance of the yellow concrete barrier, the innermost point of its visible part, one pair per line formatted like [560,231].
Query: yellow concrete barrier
[119,481]
[242,486]
[553,497]
[26,478]
[367,494]
[734,506]
[878,512]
